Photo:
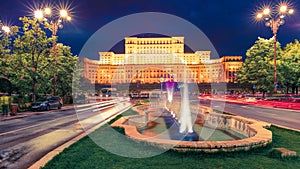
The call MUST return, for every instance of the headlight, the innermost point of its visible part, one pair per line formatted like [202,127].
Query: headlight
[43,104]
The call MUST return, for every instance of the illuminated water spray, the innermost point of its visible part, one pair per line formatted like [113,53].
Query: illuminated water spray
[186,125]
[170,89]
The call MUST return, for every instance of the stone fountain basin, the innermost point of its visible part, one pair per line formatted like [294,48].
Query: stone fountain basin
[256,132]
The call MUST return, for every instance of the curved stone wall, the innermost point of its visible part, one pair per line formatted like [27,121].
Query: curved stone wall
[255,130]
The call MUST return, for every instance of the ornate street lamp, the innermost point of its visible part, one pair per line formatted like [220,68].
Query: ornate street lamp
[161,80]
[53,20]
[274,19]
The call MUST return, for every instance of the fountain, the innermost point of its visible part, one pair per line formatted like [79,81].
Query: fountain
[253,132]
[186,125]
[178,128]
[185,112]
[171,126]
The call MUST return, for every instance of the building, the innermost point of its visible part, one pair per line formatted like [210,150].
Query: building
[150,60]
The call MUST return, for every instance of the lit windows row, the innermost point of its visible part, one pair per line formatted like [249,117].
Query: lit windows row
[154,42]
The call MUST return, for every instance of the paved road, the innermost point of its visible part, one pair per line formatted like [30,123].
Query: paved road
[283,117]
[23,141]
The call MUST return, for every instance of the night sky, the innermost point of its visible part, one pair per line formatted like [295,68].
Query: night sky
[229,24]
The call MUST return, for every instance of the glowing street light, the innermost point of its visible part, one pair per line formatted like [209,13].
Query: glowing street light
[283,8]
[259,16]
[48,11]
[266,11]
[274,19]
[38,14]
[53,20]
[291,11]
[5,29]
[63,13]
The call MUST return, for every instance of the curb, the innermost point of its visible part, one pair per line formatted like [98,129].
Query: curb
[284,127]
[14,117]
[30,113]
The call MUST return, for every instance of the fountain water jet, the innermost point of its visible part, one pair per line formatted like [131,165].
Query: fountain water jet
[170,89]
[186,125]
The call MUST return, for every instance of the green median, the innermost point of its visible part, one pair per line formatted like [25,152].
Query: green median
[87,154]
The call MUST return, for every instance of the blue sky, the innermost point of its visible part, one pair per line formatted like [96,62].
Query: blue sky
[229,24]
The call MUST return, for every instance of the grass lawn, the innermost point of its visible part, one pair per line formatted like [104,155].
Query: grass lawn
[86,154]
[145,101]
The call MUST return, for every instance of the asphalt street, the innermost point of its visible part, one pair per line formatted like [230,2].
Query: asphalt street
[25,140]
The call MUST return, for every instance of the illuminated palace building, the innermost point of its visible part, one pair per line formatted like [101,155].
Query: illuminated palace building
[148,60]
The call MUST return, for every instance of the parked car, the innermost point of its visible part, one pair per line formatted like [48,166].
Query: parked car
[250,99]
[290,98]
[134,95]
[47,103]
[144,95]
[295,99]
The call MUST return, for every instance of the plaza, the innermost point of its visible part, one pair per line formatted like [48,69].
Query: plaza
[149,84]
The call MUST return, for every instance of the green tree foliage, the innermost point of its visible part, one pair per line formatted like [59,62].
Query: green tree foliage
[65,66]
[5,85]
[257,69]
[289,66]
[31,64]
[5,49]
[80,83]
[31,60]
[5,58]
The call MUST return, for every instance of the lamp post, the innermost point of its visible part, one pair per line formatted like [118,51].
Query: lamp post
[274,19]
[53,20]
[161,80]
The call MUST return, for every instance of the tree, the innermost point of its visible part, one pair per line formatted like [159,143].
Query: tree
[289,66]
[29,60]
[257,70]
[32,57]
[5,58]
[5,85]
[80,84]
[6,49]
[65,66]
[5,41]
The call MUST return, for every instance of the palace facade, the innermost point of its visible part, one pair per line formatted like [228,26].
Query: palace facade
[151,60]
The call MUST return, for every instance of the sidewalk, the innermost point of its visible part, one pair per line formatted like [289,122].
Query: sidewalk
[31,113]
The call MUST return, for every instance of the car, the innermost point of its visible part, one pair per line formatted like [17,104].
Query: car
[205,96]
[134,95]
[144,95]
[47,103]
[250,99]
[290,98]
[295,99]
